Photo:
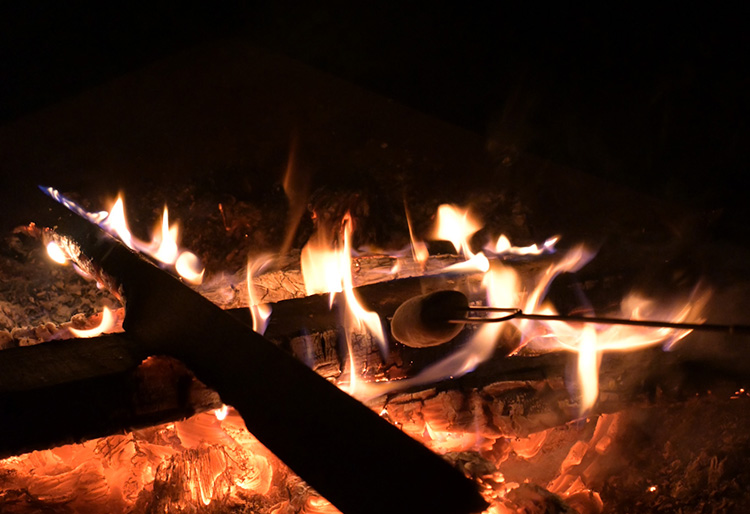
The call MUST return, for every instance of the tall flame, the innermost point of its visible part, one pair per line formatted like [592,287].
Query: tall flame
[259,311]
[419,250]
[588,368]
[166,238]
[326,268]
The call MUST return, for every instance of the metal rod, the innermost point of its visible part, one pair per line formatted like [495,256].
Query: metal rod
[514,313]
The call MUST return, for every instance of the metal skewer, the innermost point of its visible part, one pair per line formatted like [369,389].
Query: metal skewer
[514,313]
[438,317]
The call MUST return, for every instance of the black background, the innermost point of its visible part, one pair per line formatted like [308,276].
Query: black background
[652,98]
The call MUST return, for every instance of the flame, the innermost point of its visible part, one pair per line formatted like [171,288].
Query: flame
[296,186]
[477,263]
[326,266]
[166,237]
[504,247]
[188,266]
[419,250]
[116,223]
[107,323]
[260,312]
[320,263]
[56,253]
[163,246]
[457,226]
[361,318]
[588,368]
[505,288]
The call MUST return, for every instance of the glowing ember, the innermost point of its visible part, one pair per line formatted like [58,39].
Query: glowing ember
[221,413]
[107,323]
[176,467]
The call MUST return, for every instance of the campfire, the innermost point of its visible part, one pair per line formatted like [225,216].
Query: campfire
[554,414]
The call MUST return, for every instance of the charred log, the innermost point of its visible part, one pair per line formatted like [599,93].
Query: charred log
[69,391]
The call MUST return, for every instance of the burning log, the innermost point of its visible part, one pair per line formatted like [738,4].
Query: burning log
[290,409]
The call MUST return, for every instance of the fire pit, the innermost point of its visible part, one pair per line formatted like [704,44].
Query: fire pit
[509,406]
[501,403]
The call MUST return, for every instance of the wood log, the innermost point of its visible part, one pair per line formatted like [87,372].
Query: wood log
[518,396]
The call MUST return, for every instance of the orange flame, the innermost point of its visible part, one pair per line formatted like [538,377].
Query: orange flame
[163,246]
[506,289]
[419,250]
[166,238]
[504,247]
[260,312]
[320,263]
[107,323]
[188,266]
[588,368]
[457,226]
[326,267]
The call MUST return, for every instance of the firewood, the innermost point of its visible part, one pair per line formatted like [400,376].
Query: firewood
[68,391]
[116,392]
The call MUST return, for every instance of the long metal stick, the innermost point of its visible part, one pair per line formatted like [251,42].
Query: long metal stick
[514,313]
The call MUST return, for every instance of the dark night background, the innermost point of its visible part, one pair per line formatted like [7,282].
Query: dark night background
[655,99]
